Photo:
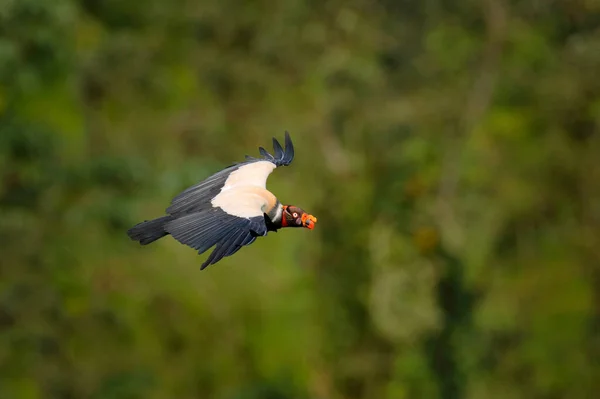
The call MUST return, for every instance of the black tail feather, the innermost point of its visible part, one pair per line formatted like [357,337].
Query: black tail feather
[150,230]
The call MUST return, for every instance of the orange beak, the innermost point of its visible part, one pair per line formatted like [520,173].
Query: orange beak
[309,221]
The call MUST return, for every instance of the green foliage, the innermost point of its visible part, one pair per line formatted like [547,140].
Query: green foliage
[449,150]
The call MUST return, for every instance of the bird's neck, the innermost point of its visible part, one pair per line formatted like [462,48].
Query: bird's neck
[275,216]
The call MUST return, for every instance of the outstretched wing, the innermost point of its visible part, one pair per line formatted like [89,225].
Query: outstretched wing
[251,173]
[280,157]
[202,230]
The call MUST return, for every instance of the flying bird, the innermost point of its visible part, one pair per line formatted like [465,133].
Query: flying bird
[229,209]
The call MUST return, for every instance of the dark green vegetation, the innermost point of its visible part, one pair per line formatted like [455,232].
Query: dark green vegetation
[449,149]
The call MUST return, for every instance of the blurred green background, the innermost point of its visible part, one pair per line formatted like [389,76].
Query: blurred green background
[450,150]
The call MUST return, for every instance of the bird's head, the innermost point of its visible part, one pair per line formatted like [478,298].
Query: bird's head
[296,217]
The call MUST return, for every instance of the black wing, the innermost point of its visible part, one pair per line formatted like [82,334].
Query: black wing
[198,197]
[202,230]
[280,157]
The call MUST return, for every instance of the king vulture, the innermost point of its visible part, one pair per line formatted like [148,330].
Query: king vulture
[228,209]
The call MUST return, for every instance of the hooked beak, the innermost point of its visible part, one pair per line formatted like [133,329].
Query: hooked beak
[309,221]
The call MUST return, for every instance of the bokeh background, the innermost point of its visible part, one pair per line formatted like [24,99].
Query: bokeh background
[450,150]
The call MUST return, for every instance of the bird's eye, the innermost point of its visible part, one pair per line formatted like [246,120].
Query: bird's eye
[295,214]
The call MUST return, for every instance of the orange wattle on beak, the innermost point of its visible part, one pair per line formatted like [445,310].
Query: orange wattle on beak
[309,221]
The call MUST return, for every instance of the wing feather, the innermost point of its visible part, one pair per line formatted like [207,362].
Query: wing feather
[282,157]
[203,230]
[289,150]
[265,154]
[225,247]
[277,149]
[198,197]
[199,230]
